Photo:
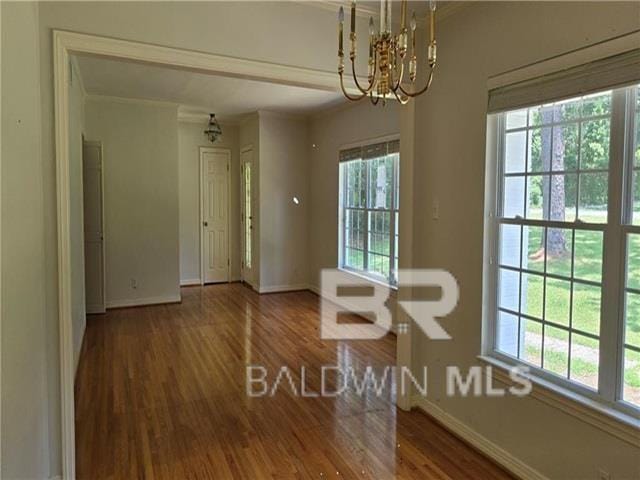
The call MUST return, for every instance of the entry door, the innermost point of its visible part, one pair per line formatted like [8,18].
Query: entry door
[215,214]
[246,162]
[94,280]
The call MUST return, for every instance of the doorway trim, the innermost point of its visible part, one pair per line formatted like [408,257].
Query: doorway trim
[202,150]
[66,43]
[243,220]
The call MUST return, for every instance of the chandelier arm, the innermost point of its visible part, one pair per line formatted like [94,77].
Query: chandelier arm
[344,91]
[371,97]
[355,77]
[397,84]
[426,87]
[402,100]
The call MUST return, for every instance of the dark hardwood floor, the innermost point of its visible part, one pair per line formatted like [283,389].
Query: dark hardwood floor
[161,393]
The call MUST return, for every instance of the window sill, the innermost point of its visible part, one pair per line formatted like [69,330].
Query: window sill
[622,425]
[393,288]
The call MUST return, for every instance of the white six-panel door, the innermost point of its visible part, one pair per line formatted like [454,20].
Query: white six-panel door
[214,191]
[94,279]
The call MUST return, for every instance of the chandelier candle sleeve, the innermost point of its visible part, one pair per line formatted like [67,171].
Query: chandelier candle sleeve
[386,75]
[340,28]
[353,17]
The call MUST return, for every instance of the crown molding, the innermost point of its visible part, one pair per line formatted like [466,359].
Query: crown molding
[362,11]
[130,100]
[445,9]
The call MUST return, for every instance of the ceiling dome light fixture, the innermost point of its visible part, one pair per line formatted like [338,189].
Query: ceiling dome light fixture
[213,130]
[386,55]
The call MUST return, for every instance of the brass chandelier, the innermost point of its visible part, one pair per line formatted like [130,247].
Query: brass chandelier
[387,54]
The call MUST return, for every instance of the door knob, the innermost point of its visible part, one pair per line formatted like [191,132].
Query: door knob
[206,224]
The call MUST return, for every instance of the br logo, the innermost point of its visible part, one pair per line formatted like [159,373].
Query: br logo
[344,292]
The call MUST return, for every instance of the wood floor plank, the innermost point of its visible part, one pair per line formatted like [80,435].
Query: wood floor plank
[161,393]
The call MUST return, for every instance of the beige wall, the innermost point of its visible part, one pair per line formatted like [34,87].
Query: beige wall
[190,139]
[478,42]
[25,346]
[283,174]
[140,148]
[329,132]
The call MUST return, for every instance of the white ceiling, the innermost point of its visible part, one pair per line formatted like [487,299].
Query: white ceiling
[229,98]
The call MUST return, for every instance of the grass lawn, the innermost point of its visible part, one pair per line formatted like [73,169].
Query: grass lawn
[586,306]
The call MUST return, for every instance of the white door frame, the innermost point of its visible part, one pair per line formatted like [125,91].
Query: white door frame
[201,216]
[68,43]
[245,149]
[98,143]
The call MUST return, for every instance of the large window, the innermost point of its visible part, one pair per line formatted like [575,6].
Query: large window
[567,242]
[369,210]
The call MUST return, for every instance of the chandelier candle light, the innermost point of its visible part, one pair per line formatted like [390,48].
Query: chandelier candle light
[387,54]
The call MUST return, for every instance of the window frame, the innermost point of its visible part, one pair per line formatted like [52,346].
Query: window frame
[615,257]
[342,209]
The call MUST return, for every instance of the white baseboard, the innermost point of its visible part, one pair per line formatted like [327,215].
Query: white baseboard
[283,288]
[95,309]
[314,289]
[481,443]
[138,302]
[190,282]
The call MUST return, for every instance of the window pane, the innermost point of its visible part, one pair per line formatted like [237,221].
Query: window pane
[509,289]
[515,152]
[594,192]
[557,302]
[559,251]
[354,229]
[566,147]
[556,350]
[585,359]
[379,264]
[513,197]
[532,342]
[531,295]
[633,261]
[637,155]
[596,104]
[594,144]
[568,110]
[588,256]
[516,119]
[631,391]
[355,184]
[534,204]
[586,308]
[636,193]
[539,152]
[510,245]
[562,206]
[632,333]
[507,333]
[533,251]
[354,258]
[380,182]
